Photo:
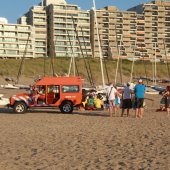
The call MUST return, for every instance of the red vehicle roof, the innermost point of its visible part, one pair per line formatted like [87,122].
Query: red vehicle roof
[59,80]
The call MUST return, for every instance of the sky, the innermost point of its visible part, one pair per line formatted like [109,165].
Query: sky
[13,9]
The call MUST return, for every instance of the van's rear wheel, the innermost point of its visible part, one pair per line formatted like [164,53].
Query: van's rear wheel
[20,107]
[66,107]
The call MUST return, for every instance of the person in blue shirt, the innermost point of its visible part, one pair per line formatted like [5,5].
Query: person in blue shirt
[139,95]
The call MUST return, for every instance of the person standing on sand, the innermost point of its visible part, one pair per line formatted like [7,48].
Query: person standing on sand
[126,99]
[139,97]
[167,101]
[110,94]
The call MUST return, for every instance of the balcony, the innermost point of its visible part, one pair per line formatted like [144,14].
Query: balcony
[160,31]
[148,14]
[148,24]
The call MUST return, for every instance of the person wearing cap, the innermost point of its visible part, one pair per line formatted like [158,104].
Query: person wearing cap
[126,99]
[139,96]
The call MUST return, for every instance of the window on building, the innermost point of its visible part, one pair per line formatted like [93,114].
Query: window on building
[39,14]
[40,32]
[72,8]
[69,26]
[40,49]
[24,41]
[10,46]
[12,34]
[59,7]
[60,32]
[61,54]
[40,26]
[83,20]
[10,39]
[83,15]
[60,14]
[2,51]
[60,25]
[39,19]
[40,43]
[11,52]
[24,28]
[9,27]
[60,38]
[60,49]
[23,34]
[60,19]
[60,43]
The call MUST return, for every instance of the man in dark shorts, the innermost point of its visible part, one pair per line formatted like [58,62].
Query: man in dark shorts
[139,94]
[126,102]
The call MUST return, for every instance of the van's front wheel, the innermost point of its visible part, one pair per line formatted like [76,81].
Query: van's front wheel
[66,107]
[19,107]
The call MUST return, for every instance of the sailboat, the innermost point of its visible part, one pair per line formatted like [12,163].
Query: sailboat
[3,101]
[102,88]
[155,87]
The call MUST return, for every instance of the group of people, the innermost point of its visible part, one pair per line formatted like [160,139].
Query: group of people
[129,98]
[92,102]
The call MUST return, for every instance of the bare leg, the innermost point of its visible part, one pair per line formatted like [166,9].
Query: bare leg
[112,108]
[141,112]
[168,111]
[122,112]
[136,112]
[127,112]
[111,112]
[117,110]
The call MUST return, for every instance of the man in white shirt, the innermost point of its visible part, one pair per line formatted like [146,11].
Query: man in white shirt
[127,102]
[111,93]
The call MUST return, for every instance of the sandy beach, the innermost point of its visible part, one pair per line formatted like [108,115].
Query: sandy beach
[85,140]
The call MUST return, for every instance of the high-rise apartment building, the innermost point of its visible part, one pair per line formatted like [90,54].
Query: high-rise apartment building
[37,17]
[153,24]
[60,29]
[54,29]
[16,41]
[117,32]
[69,30]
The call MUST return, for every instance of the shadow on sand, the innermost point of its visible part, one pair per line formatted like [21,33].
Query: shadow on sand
[57,111]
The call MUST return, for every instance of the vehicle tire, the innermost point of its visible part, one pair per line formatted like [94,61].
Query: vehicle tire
[20,107]
[66,107]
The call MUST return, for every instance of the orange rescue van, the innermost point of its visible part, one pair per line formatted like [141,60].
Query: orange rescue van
[62,92]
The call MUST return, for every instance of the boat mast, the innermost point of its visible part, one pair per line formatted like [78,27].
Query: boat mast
[73,56]
[81,49]
[133,61]
[100,51]
[22,60]
[155,64]
[72,59]
[117,67]
[166,59]
[88,63]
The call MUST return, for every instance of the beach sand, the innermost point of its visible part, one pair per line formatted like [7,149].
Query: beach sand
[85,140]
